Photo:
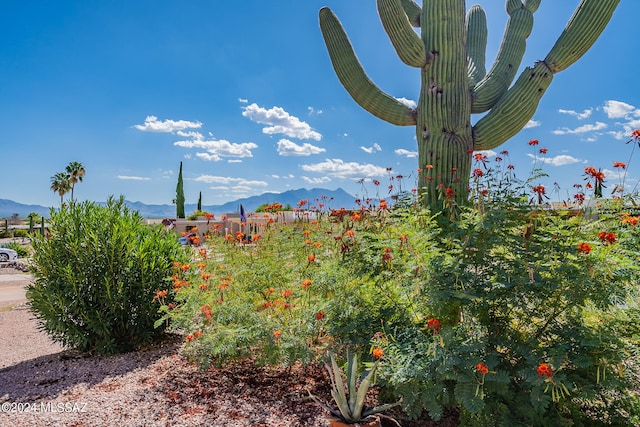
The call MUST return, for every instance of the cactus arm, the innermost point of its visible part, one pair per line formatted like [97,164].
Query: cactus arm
[355,80]
[488,91]
[514,109]
[406,42]
[582,30]
[413,12]
[476,23]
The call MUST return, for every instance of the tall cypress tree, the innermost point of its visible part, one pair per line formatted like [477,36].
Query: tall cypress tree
[200,202]
[180,195]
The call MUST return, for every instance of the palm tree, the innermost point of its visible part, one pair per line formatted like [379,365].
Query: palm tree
[76,172]
[61,184]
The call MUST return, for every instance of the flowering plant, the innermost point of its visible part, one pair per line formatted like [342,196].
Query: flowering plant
[469,307]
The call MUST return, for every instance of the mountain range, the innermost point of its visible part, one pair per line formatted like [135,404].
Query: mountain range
[331,198]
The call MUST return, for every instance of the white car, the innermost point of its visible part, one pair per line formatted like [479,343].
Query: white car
[7,254]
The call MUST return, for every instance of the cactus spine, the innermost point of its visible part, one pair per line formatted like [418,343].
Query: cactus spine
[450,53]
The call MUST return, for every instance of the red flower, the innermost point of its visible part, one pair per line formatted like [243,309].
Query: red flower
[386,256]
[449,193]
[546,370]
[584,248]
[477,172]
[320,315]
[636,135]
[376,182]
[607,236]
[511,167]
[543,150]
[482,368]
[306,283]
[434,325]
[539,189]
[533,142]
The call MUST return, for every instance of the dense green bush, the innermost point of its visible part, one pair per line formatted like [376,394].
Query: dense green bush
[22,251]
[20,232]
[97,274]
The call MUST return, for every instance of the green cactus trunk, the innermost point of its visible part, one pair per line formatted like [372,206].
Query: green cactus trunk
[454,83]
[443,128]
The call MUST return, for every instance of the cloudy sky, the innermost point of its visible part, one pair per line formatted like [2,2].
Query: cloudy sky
[244,95]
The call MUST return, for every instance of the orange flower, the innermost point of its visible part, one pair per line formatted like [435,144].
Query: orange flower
[320,315]
[584,248]
[287,293]
[546,370]
[185,267]
[276,334]
[482,368]
[621,165]
[631,220]
[161,294]
[477,172]
[189,337]
[206,276]
[383,204]
[349,233]
[607,236]
[378,352]
[311,259]
[306,283]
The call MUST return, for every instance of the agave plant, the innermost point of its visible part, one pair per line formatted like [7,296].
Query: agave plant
[350,399]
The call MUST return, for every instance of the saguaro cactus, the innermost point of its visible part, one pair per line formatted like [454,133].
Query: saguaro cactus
[450,52]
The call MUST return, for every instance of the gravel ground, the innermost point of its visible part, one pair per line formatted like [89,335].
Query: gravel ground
[41,384]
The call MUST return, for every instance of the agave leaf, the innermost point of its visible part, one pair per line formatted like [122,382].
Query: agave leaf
[325,406]
[380,408]
[352,366]
[338,392]
[365,383]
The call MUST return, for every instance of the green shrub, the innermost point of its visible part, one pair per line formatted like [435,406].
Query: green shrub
[20,232]
[21,250]
[97,275]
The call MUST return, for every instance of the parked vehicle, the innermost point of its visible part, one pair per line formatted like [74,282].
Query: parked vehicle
[7,254]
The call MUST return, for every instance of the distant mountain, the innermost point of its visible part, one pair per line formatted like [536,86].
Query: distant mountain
[331,199]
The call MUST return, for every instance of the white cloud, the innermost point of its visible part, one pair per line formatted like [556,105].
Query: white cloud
[408,102]
[585,114]
[133,178]
[152,124]
[290,148]
[375,147]
[338,168]
[313,111]
[279,121]
[290,176]
[581,129]
[532,124]
[488,153]
[406,153]
[321,180]
[619,109]
[560,160]
[227,180]
[243,101]
[216,149]
[234,161]
[191,134]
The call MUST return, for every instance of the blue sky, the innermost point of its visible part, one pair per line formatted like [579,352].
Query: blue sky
[243,93]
